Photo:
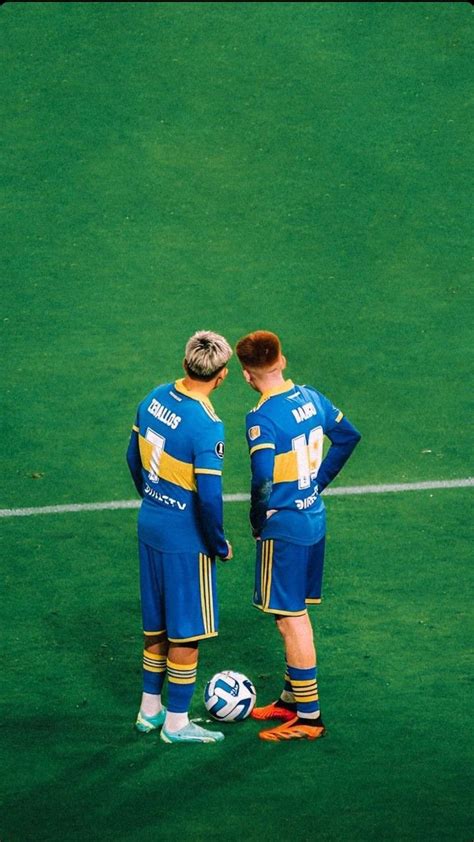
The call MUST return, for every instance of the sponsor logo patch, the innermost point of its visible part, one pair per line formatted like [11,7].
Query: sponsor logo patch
[254,433]
[219,448]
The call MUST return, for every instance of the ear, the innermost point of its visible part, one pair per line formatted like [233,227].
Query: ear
[221,377]
[246,375]
[283,362]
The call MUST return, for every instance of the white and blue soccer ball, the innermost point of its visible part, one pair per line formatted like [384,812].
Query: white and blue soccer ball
[229,696]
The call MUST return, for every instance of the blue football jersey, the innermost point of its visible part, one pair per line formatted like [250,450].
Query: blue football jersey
[175,456]
[285,434]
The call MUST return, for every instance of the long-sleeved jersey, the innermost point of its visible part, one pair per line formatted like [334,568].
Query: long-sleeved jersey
[175,456]
[285,435]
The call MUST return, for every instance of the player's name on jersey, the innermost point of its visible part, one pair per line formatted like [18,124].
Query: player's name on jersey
[161,413]
[302,413]
[163,498]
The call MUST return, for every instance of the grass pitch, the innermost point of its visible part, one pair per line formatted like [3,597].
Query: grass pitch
[302,167]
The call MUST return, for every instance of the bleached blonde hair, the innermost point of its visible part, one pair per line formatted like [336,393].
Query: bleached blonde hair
[206,353]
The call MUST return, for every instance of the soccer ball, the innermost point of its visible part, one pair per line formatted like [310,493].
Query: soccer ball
[229,696]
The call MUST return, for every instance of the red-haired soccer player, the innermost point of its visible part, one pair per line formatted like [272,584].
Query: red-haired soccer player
[285,437]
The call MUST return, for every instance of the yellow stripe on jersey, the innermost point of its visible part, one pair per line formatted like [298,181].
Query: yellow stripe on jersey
[171,469]
[207,471]
[339,417]
[174,470]
[285,468]
[135,429]
[209,409]
[261,447]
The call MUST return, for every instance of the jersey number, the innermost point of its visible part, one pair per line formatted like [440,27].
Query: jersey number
[158,443]
[309,454]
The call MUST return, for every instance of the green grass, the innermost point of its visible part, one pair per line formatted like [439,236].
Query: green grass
[393,680]
[303,167]
[298,166]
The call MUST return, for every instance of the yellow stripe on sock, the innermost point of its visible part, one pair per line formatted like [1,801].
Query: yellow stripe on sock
[306,682]
[154,662]
[181,673]
[181,667]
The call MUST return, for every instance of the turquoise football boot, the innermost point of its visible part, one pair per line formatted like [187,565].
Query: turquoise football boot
[191,733]
[145,724]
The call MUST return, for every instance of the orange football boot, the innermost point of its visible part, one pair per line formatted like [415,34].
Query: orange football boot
[293,730]
[273,711]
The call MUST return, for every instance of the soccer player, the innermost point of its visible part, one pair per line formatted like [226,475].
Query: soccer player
[175,457]
[285,437]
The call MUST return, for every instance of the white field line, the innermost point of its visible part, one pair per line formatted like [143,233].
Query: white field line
[237,498]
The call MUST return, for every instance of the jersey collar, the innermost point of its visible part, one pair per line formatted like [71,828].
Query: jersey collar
[196,396]
[278,390]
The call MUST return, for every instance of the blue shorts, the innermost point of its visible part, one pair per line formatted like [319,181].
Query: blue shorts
[178,594]
[288,577]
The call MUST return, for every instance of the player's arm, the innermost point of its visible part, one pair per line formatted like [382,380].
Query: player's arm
[209,490]
[260,438]
[208,473]
[261,488]
[134,461]
[343,437]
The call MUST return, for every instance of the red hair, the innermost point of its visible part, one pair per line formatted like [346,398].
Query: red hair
[260,349]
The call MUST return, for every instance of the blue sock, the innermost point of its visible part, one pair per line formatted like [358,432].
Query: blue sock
[305,690]
[154,672]
[181,684]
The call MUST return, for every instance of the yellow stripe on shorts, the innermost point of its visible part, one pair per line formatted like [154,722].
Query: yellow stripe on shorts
[205,581]
[266,571]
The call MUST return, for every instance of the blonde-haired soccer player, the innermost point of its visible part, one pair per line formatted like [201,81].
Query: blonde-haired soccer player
[175,456]
[285,438]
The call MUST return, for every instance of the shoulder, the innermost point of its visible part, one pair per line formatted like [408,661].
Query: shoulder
[204,424]
[331,412]
[259,426]
[256,415]
[305,387]
[314,394]
[208,412]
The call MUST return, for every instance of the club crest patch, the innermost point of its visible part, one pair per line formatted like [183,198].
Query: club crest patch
[219,448]
[254,433]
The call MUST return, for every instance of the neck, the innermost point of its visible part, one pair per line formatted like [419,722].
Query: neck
[269,381]
[200,386]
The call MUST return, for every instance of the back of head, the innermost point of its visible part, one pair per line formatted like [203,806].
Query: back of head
[259,350]
[206,354]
